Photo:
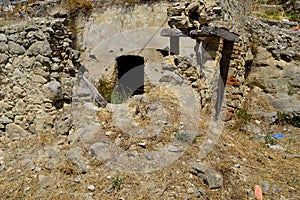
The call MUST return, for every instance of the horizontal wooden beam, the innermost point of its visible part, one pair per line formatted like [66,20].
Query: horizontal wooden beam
[206,31]
[172,32]
[220,33]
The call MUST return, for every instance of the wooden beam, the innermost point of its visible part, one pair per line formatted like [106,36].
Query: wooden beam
[172,32]
[224,68]
[174,45]
[205,31]
[220,33]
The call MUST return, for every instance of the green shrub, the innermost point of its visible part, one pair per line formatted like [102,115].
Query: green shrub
[116,183]
[285,119]
[243,114]
[105,89]
[182,136]
[121,94]
[270,140]
[292,16]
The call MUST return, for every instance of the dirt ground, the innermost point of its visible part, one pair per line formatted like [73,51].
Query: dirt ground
[242,162]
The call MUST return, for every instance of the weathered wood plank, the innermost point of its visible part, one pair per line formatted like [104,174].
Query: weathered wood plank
[205,31]
[172,32]
[96,95]
[220,33]
[174,45]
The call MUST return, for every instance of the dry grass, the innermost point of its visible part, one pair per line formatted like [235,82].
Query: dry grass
[78,5]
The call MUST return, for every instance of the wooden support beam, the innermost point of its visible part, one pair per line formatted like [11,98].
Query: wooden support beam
[206,31]
[224,68]
[174,45]
[222,33]
[172,32]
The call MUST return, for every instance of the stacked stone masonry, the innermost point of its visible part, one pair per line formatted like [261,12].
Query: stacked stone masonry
[37,70]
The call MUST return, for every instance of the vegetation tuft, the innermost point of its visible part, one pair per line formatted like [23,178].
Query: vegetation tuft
[117,183]
[285,119]
[79,5]
[182,136]
[270,140]
[243,115]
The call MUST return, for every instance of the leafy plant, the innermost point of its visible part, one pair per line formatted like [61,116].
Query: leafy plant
[243,114]
[295,121]
[120,94]
[105,89]
[182,136]
[292,16]
[282,117]
[116,183]
[291,91]
[285,119]
[270,140]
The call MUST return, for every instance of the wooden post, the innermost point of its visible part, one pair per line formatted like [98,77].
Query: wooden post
[174,45]
[224,68]
[199,54]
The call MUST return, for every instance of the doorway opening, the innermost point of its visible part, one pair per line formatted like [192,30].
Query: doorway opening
[130,70]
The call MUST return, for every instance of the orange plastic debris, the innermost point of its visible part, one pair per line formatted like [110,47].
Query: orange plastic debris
[258,193]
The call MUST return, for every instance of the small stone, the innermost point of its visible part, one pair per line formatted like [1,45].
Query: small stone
[153,107]
[40,47]
[53,90]
[217,9]
[202,191]
[191,190]
[3,58]
[109,190]
[15,48]
[74,54]
[13,130]
[149,156]
[3,47]
[3,37]
[172,148]
[265,186]
[209,175]
[108,133]
[142,144]
[100,151]
[5,120]
[77,179]
[91,188]
[55,59]
[276,189]
[117,141]
[193,7]
[52,153]
[75,156]
[50,165]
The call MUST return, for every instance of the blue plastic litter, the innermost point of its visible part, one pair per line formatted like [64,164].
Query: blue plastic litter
[278,135]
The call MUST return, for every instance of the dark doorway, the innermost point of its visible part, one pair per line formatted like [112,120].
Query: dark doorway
[130,74]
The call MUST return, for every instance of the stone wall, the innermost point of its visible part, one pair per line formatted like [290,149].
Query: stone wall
[230,15]
[38,66]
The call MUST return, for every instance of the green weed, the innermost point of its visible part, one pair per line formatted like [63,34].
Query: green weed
[121,94]
[285,119]
[270,140]
[117,183]
[292,16]
[105,88]
[243,114]
[182,136]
